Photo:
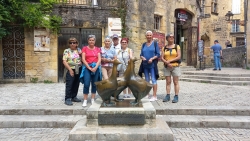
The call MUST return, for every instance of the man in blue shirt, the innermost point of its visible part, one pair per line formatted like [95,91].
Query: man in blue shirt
[217,49]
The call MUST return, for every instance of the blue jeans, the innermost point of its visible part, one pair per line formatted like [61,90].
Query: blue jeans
[217,61]
[152,73]
[90,77]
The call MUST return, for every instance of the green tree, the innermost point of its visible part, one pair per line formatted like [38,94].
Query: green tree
[29,14]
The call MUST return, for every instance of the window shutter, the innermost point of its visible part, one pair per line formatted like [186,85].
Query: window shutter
[236,6]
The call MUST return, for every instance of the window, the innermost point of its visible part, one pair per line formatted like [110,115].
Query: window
[240,41]
[236,6]
[214,6]
[157,22]
[235,25]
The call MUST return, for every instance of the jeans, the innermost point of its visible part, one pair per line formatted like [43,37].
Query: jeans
[217,61]
[152,73]
[89,76]
[72,85]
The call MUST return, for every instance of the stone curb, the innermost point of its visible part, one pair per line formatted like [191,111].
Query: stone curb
[216,78]
[181,121]
[43,110]
[204,110]
[28,121]
[177,110]
[238,83]
[217,74]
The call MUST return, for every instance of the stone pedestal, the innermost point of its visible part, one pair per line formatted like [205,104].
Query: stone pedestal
[121,123]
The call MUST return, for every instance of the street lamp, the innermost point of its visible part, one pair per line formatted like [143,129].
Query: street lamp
[229,15]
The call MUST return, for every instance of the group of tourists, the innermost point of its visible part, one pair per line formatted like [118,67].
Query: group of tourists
[91,64]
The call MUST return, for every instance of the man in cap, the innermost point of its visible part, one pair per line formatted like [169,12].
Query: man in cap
[217,49]
[116,45]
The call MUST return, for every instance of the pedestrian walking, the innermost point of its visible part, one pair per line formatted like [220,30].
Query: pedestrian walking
[72,63]
[91,71]
[149,54]
[217,49]
[123,55]
[108,55]
[171,56]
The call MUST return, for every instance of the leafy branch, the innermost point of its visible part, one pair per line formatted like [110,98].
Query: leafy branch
[31,15]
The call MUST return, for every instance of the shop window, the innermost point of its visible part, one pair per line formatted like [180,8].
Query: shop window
[157,22]
[235,25]
[214,6]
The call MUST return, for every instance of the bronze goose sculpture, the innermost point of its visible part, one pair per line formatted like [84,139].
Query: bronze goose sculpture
[139,87]
[106,88]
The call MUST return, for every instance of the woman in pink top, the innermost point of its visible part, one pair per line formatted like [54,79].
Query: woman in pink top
[91,58]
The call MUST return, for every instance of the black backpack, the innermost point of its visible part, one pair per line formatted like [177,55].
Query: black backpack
[175,47]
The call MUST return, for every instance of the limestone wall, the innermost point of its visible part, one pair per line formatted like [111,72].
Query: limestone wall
[233,57]
[1,62]
[41,65]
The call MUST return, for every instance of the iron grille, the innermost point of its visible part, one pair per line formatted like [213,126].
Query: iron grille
[13,54]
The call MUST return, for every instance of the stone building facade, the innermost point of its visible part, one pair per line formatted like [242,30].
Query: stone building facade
[217,27]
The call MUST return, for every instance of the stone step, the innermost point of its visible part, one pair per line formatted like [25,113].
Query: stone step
[43,110]
[218,73]
[222,78]
[39,121]
[238,83]
[185,121]
[203,110]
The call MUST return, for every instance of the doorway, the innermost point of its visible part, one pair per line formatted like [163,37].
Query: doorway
[81,35]
[13,54]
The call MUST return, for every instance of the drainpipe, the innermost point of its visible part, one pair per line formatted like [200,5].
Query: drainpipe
[245,28]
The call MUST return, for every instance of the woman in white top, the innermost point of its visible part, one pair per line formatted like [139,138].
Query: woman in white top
[108,55]
[123,56]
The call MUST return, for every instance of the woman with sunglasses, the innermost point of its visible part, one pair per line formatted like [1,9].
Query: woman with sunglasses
[123,55]
[171,55]
[108,56]
[91,72]
[72,62]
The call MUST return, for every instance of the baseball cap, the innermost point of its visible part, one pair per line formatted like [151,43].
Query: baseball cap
[115,36]
[216,41]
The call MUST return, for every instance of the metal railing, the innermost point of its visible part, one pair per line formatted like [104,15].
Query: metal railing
[92,3]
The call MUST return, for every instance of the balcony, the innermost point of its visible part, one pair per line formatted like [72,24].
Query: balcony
[90,3]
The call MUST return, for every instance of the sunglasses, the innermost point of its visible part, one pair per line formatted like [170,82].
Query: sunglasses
[171,37]
[72,43]
[124,42]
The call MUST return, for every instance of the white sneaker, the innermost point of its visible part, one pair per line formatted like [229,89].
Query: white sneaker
[128,95]
[84,104]
[92,101]
[152,98]
[124,95]
[148,97]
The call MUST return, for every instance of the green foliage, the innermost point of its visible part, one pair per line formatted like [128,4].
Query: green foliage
[33,79]
[30,14]
[47,81]
[121,12]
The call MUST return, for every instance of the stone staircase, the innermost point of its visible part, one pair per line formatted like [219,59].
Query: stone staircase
[217,77]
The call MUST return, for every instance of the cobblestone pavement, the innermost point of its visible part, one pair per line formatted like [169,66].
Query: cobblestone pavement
[191,94]
[34,134]
[211,134]
[180,134]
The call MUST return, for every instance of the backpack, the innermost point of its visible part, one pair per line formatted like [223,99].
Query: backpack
[175,47]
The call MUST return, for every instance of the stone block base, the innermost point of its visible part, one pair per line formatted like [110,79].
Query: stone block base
[160,132]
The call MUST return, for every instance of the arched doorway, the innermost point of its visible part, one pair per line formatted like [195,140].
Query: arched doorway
[186,37]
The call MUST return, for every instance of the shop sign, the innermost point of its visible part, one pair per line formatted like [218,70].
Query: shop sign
[114,26]
[41,39]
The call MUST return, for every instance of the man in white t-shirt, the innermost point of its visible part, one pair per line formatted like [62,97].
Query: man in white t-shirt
[116,45]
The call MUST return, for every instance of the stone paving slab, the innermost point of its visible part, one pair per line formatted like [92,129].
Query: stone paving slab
[34,134]
[210,134]
[186,121]
[191,94]
[41,121]
[223,72]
